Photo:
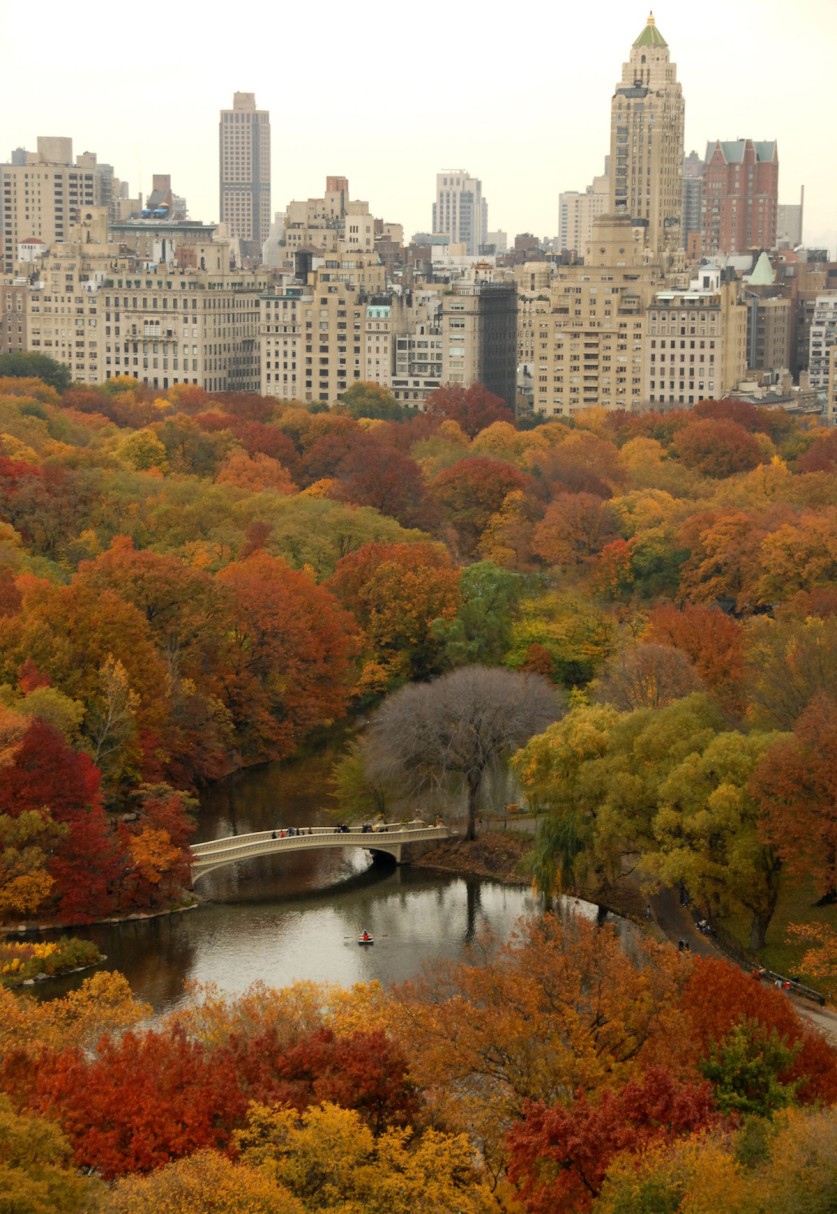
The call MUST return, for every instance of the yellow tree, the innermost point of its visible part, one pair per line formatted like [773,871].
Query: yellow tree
[36,1173]
[102,1004]
[201,1182]
[329,1159]
[25,844]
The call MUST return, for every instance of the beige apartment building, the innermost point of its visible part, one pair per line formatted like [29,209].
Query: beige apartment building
[576,212]
[646,143]
[105,314]
[44,196]
[43,193]
[318,339]
[329,224]
[697,342]
[534,283]
[590,347]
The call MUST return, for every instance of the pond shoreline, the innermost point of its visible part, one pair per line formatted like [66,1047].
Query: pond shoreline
[502,855]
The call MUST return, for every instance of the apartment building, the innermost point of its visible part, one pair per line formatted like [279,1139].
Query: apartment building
[479,325]
[831,394]
[696,342]
[460,211]
[44,196]
[740,196]
[822,341]
[14,335]
[576,212]
[320,337]
[330,224]
[104,313]
[590,347]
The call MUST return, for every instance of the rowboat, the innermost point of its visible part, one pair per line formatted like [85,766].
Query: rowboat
[365,938]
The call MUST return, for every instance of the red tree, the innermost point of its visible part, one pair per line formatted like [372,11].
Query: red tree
[795,785]
[470,492]
[371,474]
[473,408]
[821,456]
[713,641]
[141,1102]
[718,995]
[559,1156]
[285,666]
[718,448]
[46,772]
[362,1071]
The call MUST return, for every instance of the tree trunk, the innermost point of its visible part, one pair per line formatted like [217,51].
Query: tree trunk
[474,782]
[758,930]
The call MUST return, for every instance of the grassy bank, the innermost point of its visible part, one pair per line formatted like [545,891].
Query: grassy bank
[781,953]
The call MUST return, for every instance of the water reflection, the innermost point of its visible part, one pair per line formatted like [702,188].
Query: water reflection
[416,918]
[286,917]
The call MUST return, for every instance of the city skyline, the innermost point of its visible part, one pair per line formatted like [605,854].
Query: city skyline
[528,123]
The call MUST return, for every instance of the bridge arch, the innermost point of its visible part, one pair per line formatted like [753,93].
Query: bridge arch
[395,840]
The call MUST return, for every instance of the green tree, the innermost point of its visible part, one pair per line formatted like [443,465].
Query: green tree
[598,774]
[371,400]
[557,772]
[482,630]
[19,365]
[574,633]
[745,1070]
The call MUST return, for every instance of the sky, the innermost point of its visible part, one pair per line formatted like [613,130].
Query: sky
[390,95]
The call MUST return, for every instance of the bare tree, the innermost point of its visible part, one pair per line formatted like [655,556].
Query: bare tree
[647,676]
[429,734]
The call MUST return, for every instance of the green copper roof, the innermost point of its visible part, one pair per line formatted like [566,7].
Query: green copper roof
[762,275]
[650,36]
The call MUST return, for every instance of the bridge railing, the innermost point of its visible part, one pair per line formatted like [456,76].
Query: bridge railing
[254,842]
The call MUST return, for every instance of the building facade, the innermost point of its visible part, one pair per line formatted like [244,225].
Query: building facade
[822,341]
[646,143]
[589,349]
[831,395]
[244,165]
[319,337]
[576,212]
[105,314]
[697,342]
[692,205]
[43,196]
[789,219]
[740,196]
[460,211]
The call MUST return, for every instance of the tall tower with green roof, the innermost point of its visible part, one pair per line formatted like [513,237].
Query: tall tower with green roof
[646,143]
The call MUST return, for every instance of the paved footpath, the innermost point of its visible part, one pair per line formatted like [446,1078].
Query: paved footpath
[677,923]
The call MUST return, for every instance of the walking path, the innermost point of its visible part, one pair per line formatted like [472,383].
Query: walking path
[677,923]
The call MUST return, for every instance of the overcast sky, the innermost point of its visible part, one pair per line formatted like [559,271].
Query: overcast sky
[388,95]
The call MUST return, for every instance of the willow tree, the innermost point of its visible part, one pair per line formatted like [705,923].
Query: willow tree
[429,736]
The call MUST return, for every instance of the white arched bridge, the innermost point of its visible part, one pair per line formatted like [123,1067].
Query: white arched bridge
[392,839]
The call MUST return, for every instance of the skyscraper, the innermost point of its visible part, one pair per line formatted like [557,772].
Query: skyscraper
[460,210]
[646,142]
[244,137]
